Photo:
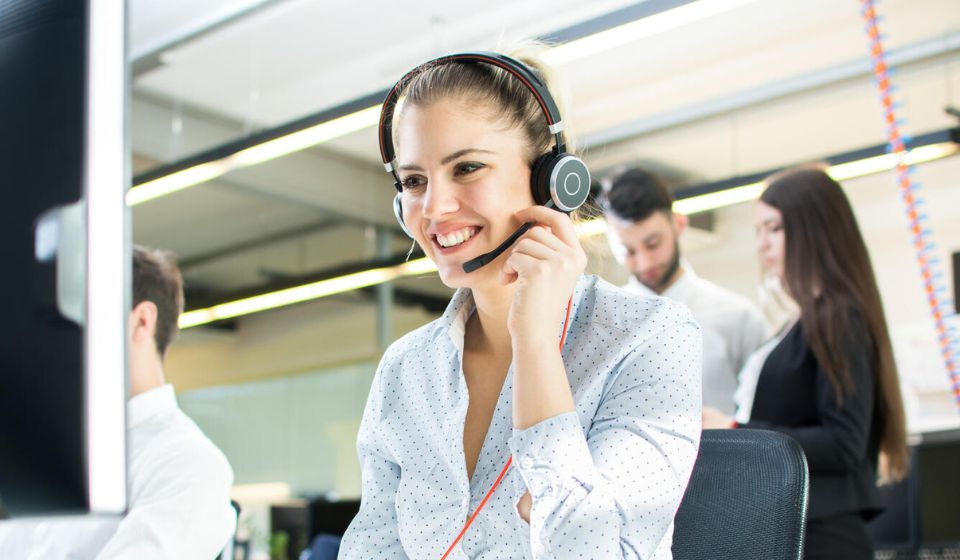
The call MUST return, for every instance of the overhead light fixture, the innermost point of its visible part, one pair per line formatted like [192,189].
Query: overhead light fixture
[266,150]
[850,165]
[649,26]
[929,147]
[886,162]
[306,292]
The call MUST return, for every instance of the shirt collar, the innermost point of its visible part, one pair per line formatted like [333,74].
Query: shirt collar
[150,403]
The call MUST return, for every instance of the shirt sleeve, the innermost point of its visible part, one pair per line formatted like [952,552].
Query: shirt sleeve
[613,493]
[374,532]
[183,511]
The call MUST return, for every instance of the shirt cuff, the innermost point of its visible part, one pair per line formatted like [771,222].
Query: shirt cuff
[552,456]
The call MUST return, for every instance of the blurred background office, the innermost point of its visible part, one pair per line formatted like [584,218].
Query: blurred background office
[255,160]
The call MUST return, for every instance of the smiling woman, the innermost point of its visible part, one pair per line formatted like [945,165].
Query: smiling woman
[481,184]
[601,431]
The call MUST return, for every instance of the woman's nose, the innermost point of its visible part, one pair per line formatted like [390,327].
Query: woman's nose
[440,199]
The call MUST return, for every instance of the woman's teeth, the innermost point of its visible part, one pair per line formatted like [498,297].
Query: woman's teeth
[456,237]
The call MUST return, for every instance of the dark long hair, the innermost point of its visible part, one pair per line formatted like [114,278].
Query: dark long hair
[827,271]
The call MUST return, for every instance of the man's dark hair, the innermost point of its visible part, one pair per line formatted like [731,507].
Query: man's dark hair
[635,194]
[157,279]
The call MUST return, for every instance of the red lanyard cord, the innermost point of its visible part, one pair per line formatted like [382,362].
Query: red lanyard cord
[503,473]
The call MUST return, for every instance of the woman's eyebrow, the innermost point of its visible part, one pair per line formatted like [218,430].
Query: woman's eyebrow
[461,153]
[446,160]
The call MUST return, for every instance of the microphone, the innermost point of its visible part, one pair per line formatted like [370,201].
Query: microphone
[487,258]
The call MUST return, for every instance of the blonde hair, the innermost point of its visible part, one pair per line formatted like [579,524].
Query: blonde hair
[486,85]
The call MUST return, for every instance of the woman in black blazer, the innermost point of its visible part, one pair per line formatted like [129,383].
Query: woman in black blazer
[831,382]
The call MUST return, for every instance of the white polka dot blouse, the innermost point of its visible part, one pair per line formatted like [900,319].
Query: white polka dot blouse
[606,480]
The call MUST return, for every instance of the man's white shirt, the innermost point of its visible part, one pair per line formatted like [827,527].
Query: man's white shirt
[179,497]
[732,329]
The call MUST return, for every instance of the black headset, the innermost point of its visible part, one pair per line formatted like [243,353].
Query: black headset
[558,179]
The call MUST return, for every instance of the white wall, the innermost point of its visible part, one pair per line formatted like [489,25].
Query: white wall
[299,429]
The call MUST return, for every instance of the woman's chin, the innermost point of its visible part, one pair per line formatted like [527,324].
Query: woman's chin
[453,276]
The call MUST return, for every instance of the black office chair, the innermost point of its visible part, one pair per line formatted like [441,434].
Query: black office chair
[747,499]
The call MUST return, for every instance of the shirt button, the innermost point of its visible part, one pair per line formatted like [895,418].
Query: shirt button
[538,550]
[526,463]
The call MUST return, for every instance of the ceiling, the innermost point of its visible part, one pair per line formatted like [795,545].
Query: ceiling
[762,85]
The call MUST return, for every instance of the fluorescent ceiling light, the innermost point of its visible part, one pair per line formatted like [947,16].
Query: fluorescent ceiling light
[265,151]
[591,227]
[886,162]
[750,192]
[306,292]
[712,201]
[302,139]
[639,29]
[176,181]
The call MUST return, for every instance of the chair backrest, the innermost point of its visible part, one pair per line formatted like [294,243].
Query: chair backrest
[747,498]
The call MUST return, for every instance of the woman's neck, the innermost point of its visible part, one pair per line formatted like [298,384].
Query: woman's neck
[486,330]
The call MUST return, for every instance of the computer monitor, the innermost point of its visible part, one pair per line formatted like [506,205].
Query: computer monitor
[64,233]
[332,518]
[922,511]
[937,461]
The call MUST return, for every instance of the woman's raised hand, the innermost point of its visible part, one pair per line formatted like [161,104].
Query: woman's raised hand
[545,265]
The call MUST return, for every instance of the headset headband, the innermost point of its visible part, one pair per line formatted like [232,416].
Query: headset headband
[511,65]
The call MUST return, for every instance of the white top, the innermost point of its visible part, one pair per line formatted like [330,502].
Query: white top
[606,480]
[732,329]
[179,488]
[750,375]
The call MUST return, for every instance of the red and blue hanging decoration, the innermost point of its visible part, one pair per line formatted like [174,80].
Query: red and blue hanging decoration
[933,278]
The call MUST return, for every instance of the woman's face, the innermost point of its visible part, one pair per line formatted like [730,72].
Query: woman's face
[464,175]
[768,222]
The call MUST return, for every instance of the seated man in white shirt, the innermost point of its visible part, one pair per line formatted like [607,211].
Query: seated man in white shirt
[178,480]
[644,233]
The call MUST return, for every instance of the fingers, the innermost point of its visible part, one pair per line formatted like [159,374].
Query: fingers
[558,222]
[540,244]
[517,264]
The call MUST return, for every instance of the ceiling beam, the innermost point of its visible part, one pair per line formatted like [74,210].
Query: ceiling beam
[257,242]
[150,57]
[859,68]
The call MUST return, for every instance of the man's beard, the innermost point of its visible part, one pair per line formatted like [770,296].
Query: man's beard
[661,284]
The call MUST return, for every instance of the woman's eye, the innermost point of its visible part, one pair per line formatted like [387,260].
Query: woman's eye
[413,181]
[467,167]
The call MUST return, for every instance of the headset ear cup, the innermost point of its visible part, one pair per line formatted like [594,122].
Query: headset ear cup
[568,181]
[398,212]
[561,178]
[540,178]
